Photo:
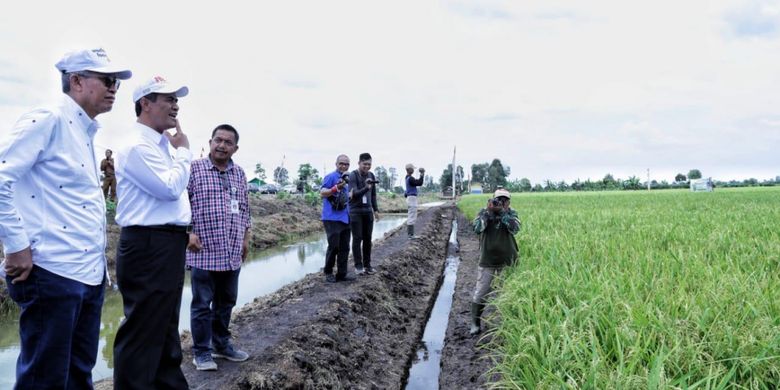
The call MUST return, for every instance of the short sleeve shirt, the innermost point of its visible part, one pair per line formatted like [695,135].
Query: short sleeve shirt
[328,214]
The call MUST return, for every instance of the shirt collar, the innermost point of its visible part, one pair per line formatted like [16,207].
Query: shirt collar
[151,134]
[211,165]
[77,114]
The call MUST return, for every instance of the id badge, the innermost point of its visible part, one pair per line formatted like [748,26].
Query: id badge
[234,206]
[365,199]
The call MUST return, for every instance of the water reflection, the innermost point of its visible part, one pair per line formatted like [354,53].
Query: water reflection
[424,373]
[265,272]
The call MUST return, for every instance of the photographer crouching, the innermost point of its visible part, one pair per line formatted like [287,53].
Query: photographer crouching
[363,209]
[335,218]
[496,226]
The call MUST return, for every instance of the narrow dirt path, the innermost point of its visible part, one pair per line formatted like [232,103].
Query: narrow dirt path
[464,361]
[361,334]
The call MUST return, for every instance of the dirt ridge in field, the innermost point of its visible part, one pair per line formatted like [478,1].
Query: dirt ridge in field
[465,360]
[358,335]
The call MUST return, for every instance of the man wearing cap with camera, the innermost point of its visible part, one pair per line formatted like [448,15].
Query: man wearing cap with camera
[496,225]
[411,197]
[53,225]
[335,218]
[362,212]
[154,212]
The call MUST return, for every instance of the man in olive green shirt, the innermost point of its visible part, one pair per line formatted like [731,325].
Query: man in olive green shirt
[496,225]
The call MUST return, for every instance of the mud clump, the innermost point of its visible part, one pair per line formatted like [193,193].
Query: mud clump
[366,338]
[360,334]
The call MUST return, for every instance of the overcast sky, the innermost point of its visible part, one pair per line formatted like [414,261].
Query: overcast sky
[556,90]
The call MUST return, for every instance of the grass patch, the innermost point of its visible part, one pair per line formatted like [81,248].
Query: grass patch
[663,289]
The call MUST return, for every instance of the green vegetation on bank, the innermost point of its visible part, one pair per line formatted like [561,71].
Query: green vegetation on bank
[623,290]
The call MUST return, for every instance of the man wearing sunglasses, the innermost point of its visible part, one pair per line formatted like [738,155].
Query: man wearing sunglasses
[153,209]
[218,244]
[53,223]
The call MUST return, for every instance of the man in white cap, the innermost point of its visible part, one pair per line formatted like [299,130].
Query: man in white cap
[153,210]
[53,224]
[411,197]
[496,225]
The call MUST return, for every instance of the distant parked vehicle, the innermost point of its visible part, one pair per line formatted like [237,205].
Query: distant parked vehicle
[290,189]
[268,189]
[252,188]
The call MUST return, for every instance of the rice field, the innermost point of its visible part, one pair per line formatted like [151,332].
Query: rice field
[641,290]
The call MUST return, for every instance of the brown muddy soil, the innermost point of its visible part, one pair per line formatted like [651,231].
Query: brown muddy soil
[465,362]
[397,204]
[360,334]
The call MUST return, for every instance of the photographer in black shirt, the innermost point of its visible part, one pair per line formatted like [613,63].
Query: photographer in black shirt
[363,209]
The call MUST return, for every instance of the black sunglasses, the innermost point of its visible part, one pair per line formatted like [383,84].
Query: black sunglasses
[108,81]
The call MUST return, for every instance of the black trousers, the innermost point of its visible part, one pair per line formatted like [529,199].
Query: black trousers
[362,226]
[338,247]
[150,274]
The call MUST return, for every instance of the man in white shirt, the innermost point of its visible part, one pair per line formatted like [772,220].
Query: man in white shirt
[153,210]
[53,223]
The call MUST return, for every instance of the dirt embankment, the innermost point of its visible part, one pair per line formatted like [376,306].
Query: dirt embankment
[361,334]
[464,360]
[396,204]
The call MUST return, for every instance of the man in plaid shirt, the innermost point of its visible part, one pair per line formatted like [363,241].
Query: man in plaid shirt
[219,243]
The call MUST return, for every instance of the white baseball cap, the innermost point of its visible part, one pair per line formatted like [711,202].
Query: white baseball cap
[93,60]
[158,84]
[502,192]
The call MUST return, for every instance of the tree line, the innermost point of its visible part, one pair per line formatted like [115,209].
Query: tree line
[495,175]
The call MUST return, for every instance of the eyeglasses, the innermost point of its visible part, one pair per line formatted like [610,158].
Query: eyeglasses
[223,177]
[108,81]
[343,163]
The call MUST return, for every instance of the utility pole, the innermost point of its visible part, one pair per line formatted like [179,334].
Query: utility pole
[453,171]
[648,179]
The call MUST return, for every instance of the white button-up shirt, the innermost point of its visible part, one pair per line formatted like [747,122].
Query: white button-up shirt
[151,181]
[50,195]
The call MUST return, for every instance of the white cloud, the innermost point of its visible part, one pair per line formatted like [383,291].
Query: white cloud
[555,89]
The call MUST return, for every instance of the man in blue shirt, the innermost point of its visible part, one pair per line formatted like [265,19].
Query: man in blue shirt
[335,218]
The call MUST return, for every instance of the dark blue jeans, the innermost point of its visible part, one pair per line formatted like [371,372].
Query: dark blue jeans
[214,295]
[59,326]
[338,248]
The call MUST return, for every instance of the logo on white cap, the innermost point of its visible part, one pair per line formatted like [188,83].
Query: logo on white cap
[158,84]
[93,60]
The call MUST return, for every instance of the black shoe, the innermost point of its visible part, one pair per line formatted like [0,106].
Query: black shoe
[330,278]
[345,278]
[370,271]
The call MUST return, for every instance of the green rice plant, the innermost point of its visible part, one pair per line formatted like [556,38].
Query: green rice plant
[641,290]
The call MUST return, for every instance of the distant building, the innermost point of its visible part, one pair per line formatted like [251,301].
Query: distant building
[476,188]
[702,185]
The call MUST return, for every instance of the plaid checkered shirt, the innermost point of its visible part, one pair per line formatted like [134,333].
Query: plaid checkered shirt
[220,230]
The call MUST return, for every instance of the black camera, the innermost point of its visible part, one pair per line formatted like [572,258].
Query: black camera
[345,178]
[371,181]
[496,202]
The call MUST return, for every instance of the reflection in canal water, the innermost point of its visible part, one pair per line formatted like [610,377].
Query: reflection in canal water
[264,273]
[424,373]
